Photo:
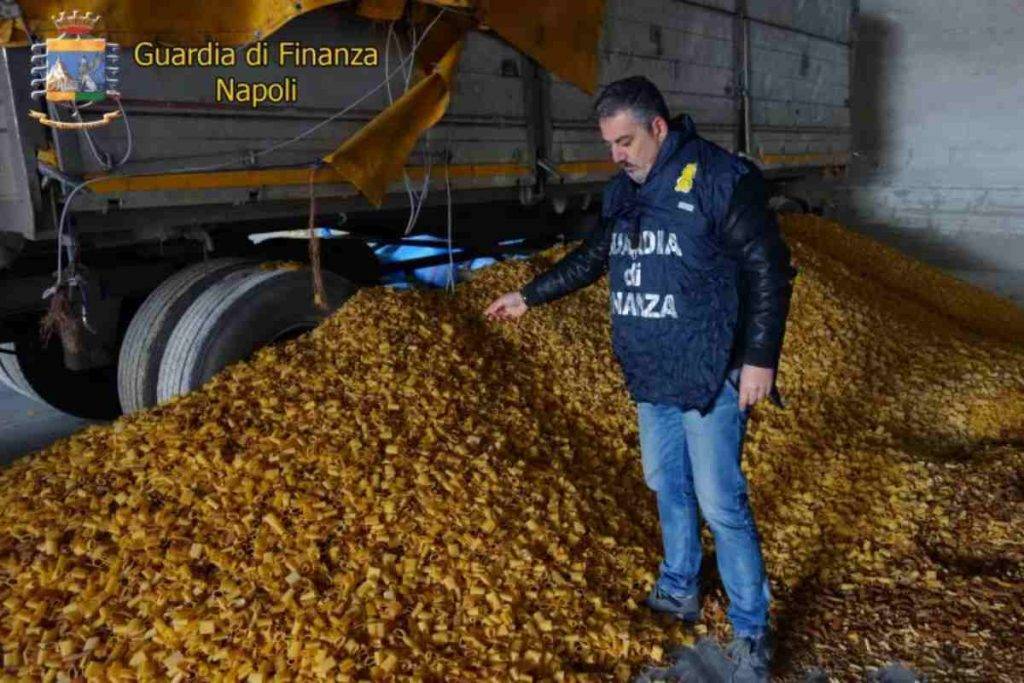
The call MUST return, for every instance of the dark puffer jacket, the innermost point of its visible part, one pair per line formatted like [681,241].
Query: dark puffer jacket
[700,277]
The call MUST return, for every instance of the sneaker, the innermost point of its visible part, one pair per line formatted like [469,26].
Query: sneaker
[749,659]
[683,607]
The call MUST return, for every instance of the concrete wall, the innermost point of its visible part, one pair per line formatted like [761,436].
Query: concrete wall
[938,121]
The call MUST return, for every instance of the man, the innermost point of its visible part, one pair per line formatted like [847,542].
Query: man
[700,288]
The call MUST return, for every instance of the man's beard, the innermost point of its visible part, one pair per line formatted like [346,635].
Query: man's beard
[636,175]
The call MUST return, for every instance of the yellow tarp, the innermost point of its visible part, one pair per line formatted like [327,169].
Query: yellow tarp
[562,37]
[382,10]
[376,154]
[12,32]
[188,22]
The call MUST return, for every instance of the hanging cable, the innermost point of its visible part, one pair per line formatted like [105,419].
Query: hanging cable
[448,189]
[103,158]
[103,162]
[426,185]
[412,63]
[405,174]
[416,201]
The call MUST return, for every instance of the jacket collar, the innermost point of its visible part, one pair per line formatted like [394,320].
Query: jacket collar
[680,130]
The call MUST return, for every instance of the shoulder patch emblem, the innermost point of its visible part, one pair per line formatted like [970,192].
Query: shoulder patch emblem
[684,183]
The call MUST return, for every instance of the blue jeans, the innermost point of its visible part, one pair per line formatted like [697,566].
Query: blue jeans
[691,460]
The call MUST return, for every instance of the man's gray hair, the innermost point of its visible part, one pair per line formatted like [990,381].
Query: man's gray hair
[637,95]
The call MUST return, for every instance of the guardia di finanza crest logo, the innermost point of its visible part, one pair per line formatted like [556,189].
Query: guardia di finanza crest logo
[75,67]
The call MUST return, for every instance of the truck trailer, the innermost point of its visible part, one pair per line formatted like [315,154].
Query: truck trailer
[146,223]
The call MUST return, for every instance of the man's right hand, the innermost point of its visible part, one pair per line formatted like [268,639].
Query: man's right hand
[506,307]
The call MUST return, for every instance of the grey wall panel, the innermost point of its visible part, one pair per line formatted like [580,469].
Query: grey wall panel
[686,50]
[936,116]
[674,77]
[656,40]
[681,16]
[799,83]
[727,5]
[806,69]
[797,80]
[786,142]
[809,80]
[798,115]
[572,107]
[827,18]
[481,89]
[163,142]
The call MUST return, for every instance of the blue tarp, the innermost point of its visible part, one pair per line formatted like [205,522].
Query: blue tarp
[431,276]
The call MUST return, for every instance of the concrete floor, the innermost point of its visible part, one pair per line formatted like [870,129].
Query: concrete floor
[27,425]
[993,262]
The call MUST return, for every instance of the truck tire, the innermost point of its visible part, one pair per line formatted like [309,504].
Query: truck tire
[39,373]
[138,366]
[234,317]
[11,374]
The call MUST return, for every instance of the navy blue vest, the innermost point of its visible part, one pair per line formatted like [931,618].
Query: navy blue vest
[674,289]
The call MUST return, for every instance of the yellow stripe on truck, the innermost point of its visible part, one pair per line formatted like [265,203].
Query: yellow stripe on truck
[217,180]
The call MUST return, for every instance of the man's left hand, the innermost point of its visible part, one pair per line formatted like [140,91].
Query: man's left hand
[755,384]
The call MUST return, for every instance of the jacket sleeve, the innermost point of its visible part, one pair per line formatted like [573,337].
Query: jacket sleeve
[750,233]
[581,267]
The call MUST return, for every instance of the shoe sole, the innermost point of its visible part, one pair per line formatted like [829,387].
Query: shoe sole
[685,617]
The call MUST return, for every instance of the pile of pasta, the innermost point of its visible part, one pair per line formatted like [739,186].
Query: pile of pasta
[413,491]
